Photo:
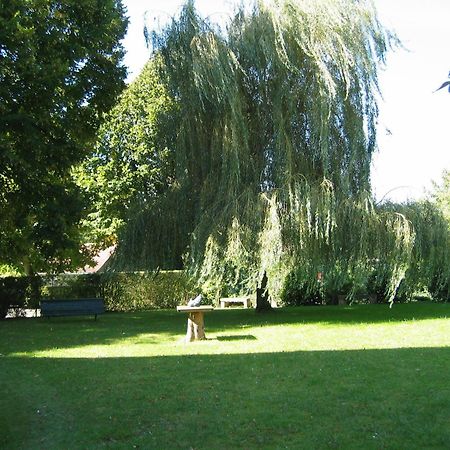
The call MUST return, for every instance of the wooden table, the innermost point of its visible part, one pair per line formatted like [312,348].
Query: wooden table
[195,325]
[244,300]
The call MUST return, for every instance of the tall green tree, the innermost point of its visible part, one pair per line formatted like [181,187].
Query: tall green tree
[249,151]
[245,152]
[132,164]
[60,69]
[428,267]
[273,145]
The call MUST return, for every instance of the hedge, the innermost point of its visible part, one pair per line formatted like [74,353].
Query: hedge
[19,292]
[143,290]
[122,291]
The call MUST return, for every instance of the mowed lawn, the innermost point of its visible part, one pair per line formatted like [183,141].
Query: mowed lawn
[355,377]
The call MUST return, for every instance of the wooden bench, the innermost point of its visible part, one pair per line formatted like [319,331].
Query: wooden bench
[227,300]
[195,325]
[72,307]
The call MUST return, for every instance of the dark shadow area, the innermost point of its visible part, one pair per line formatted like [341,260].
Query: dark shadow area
[396,398]
[37,334]
[237,337]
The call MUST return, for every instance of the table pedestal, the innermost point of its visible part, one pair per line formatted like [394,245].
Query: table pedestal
[195,327]
[195,324]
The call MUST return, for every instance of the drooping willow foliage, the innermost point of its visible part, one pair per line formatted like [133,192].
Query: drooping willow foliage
[429,265]
[273,143]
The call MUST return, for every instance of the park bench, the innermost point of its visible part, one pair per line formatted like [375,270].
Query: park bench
[72,307]
[227,300]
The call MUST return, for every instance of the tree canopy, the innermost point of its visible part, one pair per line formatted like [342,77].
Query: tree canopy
[441,195]
[131,165]
[269,149]
[60,69]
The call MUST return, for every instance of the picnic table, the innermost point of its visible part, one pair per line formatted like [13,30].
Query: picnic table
[195,324]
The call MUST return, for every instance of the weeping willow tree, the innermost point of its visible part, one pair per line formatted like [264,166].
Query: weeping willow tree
[429,267]
[272,148]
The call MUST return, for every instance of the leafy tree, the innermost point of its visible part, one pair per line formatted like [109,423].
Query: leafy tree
[131,166]
[274,136]
[441,195]
[428,268]
[60,69]
[258,159]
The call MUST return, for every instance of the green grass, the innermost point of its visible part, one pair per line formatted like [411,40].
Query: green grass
[298,378]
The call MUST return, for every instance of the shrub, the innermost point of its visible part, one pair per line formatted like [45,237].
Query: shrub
[72,285]
[19,292]
[145,290]
[439,287]
[296,292]
[124,291]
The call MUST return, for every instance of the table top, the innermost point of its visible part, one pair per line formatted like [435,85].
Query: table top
[202,308]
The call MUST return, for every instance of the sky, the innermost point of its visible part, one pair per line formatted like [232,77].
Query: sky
[414,125]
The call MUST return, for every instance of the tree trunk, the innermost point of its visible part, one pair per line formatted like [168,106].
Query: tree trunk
[195,327]
[34,284]
[262,296]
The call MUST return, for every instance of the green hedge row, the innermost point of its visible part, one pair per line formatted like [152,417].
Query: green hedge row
[121,291]
[141,291]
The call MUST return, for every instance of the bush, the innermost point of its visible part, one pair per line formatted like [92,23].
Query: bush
[296,292]
[439,287]
[72,285]
[124,291]
[19,292]
[145,290]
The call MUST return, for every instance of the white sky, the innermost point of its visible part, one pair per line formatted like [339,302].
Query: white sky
[417,147]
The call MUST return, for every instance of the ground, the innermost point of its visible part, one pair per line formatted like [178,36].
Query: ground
[312,377]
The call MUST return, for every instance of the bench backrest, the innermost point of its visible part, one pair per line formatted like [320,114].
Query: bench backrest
[72,307]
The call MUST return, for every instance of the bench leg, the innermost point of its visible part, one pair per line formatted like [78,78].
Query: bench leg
[195,327]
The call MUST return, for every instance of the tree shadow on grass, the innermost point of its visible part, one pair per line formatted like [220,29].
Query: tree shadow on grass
[237,337]
[38,334]
[396,398]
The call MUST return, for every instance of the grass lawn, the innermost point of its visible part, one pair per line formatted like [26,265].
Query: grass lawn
[299,378]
